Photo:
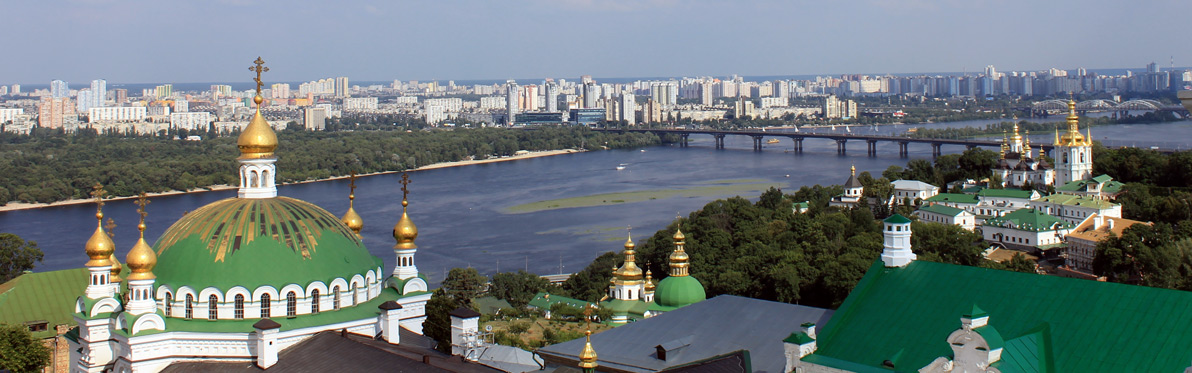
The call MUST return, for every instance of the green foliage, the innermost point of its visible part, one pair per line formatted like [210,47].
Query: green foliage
[1158,255]
[17,256]
[947,243]
[463,285]
[566,311]
[19,352]
[517,288]
[438,323]
[49,166]
[591,283]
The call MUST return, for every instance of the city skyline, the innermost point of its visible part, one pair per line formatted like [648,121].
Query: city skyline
[150,42]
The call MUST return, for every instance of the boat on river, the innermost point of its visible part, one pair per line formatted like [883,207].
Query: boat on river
[622,166]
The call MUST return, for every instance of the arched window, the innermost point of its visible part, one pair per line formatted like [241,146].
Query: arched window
[265,178]
[335,297]
[291,304]
[266,305]
[355,286]
[239,311]
[1081,157]
[314,301]
[212,307]
[1065,157]
[253,180]
[169,304]
[190,306]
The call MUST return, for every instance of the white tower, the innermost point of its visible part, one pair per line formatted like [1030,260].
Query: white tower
[896,251]
[405,232]
[1073,151]
[257,143]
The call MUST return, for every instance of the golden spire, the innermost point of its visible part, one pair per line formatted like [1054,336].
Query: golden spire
[629,272]
[853,169]
[351,218]
[649,280]
[405,232]
[1005,146]
[1026,145]
[257,140]
[1057,136]
[679,265]
[1016,138]
[1073,136]
[100,247]
[141,259]
[587,357]
[116,266]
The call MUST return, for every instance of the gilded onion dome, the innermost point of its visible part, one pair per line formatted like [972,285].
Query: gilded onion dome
[1073,136]
[353,220]
[257,140]
[100,247]
[629,271]
[587,357]
[679,261]
[405,232]
[141,259]
[649,281]
[116,268]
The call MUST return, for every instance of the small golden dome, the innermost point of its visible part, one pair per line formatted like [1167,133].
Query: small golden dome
[678,235]
[116,268]
[649,281]
[405,232]
[257,140]
[352,219]
[100,247]
[629,271]
[141,259]
[1073,136]
[587,358]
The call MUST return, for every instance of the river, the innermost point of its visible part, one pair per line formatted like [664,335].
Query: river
[463,216]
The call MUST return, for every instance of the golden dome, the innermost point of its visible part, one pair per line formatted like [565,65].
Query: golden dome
[679,264]
[405,232]
[100,247]
[587,357]
[353,220]
[1073,136]
[141,259]
[629,272]
[678,235]
[257,140]
[1016,137]
[649,281]
[116,268]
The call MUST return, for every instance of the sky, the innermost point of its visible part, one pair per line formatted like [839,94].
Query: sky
[183,41]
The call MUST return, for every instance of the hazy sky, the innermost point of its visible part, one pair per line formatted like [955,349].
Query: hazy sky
[215,40]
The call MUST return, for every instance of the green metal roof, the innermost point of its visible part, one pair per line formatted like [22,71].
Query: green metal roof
[678,291]
[1078,201]
[1076,325]
[1102,178]
[1005,193]
[42,296]
[897,219]
[953,198]
[1108,185]
[542,301]
[627,307]
[942,210]
[255,242]
[1029,220]
[798,338]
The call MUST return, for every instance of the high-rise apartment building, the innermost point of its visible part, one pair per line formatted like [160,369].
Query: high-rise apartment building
[3,90]
[181,106]
[341,86]
[705,93]
[315,118]
[56,112]
[627,108]
[116,114]
[164,91]
[591,94]
[120,95]
[529,99]
[59,89]
[99,93]
[279,90]
[511,101]
[220,90]
[16,89]
[552,97]
[83,100]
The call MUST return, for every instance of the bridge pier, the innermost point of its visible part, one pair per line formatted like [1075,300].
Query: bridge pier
[757,143]
[683,140]
[840,148]
[872,147]
[719,140]
[935,149]
[902,152]
[798,145]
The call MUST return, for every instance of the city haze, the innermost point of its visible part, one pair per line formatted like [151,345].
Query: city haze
[198,41]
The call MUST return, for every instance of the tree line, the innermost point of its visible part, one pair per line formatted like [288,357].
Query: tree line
[49,166]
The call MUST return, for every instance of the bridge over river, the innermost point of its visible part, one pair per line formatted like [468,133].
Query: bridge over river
[841,140]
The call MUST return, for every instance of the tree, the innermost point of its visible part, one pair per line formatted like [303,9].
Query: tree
[464,285]
[950,243]
[517,288]
[19,352]
[438,323]
[17,256]
[591,283]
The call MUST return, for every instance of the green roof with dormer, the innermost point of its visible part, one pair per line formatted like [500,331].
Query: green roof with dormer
[1029,220]
[254,242]
[1076,201]
[679,291]
[1006,193]
[953,198]
[1049,323]
[42,296]
[942,210]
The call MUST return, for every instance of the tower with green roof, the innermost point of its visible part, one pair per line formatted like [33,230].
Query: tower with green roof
[896,247]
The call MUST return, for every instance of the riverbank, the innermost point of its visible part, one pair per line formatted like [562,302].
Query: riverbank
[14,206]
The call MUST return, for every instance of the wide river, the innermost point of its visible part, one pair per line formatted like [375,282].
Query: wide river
[463,213]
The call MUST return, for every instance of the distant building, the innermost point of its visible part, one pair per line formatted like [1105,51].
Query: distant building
[314,118]
[512,103]
[117,114]
[56,113]
[834,108]
[914,190]
[627,110]
[1026,230]
[1082,240]
[947,215]
[360,103]
[853,191]
[58,89]
[279,91]
[1099,187]
[1076,209]
[341,87]
[998,202]
[10,114]
[194,121]
[1074,154]
[1017,166]
[99,93]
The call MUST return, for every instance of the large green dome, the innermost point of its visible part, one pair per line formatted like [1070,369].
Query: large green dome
[678,291]
[254,242]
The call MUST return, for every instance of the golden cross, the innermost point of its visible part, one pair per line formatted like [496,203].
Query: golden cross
[111,227]
[142,201]
[97,192]
[588,316]
[259,68]
[352,184]
[405,182]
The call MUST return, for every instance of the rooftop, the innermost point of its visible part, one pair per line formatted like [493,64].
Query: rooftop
[912,185]
[1006,193]
[1076,201]
[1087,230]
[1027,219]
[942,210]
[42,296]
[953,198]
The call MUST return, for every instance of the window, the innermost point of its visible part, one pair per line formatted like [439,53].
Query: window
[265,306]
[354,293]
[239,312]
[314,301]
[190,306]
[291,304]
[169,303]
[335,297]
[212,307]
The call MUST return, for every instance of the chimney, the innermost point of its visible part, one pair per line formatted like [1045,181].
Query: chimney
[1110,223]
[1097,222]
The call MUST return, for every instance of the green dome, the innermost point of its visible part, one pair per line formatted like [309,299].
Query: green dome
[255,242]
[678,291]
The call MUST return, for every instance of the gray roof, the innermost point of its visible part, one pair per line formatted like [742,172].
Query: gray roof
[912,185]
[714,327]
[510,359]
[852,182]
